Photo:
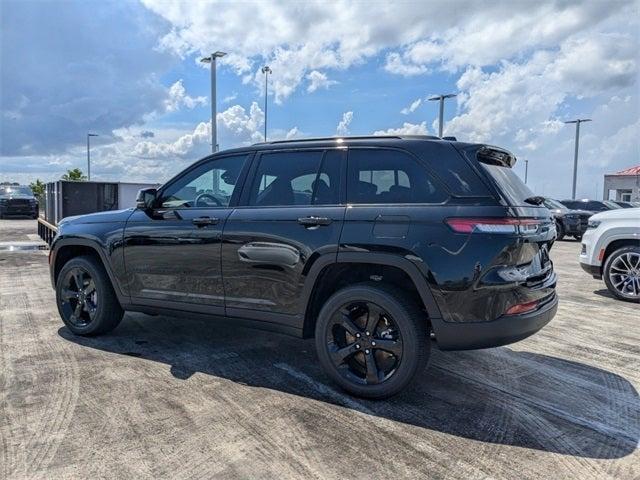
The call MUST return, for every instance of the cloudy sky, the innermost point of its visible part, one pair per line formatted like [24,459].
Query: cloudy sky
[129,72]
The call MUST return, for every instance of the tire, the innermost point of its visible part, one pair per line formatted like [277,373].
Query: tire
[399,324]
[96,310]
[614,268]
[559,231]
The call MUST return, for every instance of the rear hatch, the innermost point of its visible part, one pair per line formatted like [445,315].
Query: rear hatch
[534,223]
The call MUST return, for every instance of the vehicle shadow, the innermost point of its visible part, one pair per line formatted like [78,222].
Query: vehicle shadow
[498,395]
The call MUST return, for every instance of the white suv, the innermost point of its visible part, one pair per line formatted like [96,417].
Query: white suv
[611,249]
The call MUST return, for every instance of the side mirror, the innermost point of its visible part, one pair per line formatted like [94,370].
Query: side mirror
[146,198]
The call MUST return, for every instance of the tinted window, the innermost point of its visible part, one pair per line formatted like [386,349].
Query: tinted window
[210,185]
[451,167]
[508,183]
[595,206]
[573,205]
[296,178]
[389,176]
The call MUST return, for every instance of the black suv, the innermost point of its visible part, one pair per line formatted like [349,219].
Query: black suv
[568,222]
[370,244]
[17,200]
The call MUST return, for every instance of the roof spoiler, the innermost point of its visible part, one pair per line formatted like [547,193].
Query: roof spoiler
[496,156]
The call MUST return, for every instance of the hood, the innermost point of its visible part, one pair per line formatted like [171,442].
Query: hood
[110,216]
[621,214]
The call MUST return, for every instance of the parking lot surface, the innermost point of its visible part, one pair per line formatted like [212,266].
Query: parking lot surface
[185,398]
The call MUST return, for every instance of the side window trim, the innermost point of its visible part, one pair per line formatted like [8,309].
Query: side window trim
[437,182]
[206,161]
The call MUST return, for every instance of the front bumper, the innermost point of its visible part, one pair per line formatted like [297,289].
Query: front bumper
[18,209]
[502,331]
[593,270]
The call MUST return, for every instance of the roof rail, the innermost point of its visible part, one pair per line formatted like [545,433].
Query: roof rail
[357,137]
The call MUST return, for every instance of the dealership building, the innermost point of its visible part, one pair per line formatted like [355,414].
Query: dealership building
[625,184]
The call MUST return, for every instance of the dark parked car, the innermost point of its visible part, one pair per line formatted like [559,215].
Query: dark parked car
[17,200]
[624,204]
[593,206]
[568,222]
[370,244]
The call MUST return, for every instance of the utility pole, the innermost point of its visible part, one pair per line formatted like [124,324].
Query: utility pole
[577,121]
[526,170]
[266,70]
[441,98]
[89,135]
[214,130]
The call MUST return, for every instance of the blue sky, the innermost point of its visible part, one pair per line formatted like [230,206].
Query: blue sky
[129,71]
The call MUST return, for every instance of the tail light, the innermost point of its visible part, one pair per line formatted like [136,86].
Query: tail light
[522,308]
[494,225]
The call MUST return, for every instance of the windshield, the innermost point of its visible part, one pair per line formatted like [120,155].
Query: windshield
[15,190]
[611,205]
[553,204]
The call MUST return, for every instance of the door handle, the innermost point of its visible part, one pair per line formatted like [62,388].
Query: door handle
[314,221]
[203,221]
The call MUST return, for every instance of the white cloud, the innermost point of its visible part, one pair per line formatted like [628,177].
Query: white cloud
[406,129]
[337,35]
[236,127]
[318,80]
[343,125]
[411,108]
[178,98]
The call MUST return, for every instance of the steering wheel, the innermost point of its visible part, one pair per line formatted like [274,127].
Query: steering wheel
[208,196]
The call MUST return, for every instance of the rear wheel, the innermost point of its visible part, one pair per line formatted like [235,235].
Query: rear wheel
[372,340]
[622,273]
[85,298]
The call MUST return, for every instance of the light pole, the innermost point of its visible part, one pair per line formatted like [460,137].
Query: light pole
[214,130]
[526,170]
[266,70]
[441,99]
[577,121]
[89,135]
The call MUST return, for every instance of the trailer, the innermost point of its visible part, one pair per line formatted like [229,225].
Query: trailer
[67,198]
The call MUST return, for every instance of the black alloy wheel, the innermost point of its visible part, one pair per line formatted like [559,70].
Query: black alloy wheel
[372,339]
[79,298]
[364,343]
[85,297]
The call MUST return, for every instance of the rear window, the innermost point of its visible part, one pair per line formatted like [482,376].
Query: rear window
[509,184]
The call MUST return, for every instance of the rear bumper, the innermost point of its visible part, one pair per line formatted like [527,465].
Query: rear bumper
[502,331]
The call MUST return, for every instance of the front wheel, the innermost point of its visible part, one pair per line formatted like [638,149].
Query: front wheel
[372,340]
[622,273]
[85,298]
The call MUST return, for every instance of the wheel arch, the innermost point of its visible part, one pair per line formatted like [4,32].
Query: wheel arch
[67,248]
[321,281]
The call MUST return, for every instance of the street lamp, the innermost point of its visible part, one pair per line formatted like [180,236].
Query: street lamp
[214,132]
[577,121]
[441,99]
[266,70]
[89,135]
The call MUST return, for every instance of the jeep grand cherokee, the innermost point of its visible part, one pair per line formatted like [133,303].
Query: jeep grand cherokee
[370,244]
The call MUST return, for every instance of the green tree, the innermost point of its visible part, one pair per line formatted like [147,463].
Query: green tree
[74,175]
[37,188]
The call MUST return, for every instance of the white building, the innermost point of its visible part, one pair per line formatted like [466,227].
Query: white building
[625,184]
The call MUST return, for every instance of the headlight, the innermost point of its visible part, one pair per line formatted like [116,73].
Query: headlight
[593,223]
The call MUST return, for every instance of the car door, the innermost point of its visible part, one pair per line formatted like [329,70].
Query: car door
[172,252]
[290,215]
